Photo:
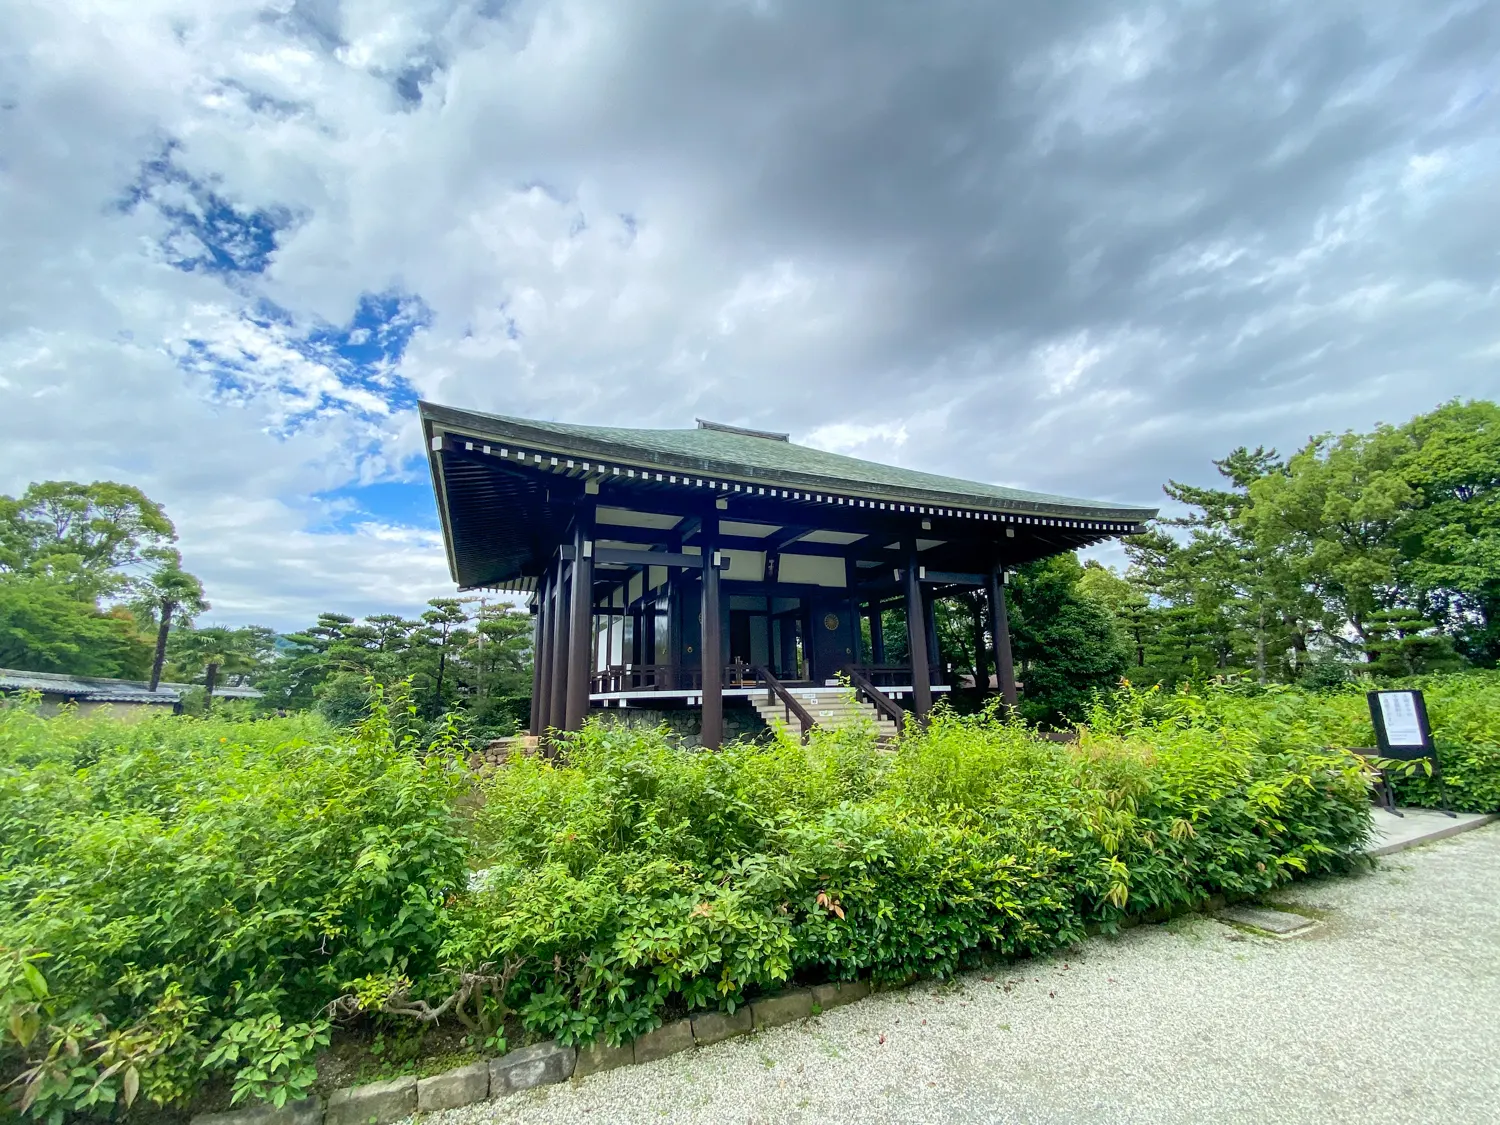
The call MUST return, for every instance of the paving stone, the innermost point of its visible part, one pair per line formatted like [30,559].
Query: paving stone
[665,1040]
[308,1111]
[1418,826]
[374,1104]
[599,1056]
[828,996]
[537,1065]
[453,1088]
[785,1008]
[1263,918]
[715,1027]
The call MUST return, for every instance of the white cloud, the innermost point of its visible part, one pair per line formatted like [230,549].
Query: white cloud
[1080,251]
[861,440]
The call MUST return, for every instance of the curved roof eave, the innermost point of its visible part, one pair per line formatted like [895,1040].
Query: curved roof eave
[724,453]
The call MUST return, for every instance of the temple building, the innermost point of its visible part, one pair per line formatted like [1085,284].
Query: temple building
[678,569]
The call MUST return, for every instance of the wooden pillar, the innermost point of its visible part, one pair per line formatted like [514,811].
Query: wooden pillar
[674,652]
[638,625]
[711,641]
[877,633]
[981,671]
[916,635]
[1005,672]
[540,654]
[557,695]
[929,615]
[856,642]
[581,627]
[598,660]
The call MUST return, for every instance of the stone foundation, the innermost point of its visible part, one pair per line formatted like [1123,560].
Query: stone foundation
[686,723]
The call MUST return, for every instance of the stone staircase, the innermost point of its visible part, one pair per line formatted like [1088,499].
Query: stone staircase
[832,708]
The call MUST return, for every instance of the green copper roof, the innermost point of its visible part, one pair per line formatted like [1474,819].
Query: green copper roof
[738,454]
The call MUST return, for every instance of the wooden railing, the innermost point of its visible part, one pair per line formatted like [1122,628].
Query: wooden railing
[644,677]
[894,675]
[666,677]
[883,703]
[776,690]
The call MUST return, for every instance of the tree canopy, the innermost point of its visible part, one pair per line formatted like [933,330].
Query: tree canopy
[69,553]
[87,533]
[1379,549]
[462,654]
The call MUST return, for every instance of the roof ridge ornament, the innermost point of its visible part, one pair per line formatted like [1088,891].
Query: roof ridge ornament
[741,430]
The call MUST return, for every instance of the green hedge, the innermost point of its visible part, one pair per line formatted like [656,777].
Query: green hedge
[180,895]
[1463,709]
[183,898]
[640,877]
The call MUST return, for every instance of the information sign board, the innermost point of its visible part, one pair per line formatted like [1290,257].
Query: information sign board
[1401,728]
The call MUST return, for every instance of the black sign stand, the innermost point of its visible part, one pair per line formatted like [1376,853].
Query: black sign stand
[1403,733]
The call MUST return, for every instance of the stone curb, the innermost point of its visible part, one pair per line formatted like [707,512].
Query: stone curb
[453,1088]
[786,1008]
[374,1104]
[539,1065]
[668,1039]
[715,1027]
[599,1056]
[308,1111]
[838,994]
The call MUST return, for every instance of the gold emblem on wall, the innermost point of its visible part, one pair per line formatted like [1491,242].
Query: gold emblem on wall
[831,622]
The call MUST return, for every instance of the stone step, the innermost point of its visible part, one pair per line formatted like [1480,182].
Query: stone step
[828,712]
[831,711]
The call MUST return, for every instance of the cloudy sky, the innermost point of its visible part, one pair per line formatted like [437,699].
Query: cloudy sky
[1077,246]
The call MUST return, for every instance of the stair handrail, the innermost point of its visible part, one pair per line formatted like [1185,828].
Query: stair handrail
[775,690]
[883,703]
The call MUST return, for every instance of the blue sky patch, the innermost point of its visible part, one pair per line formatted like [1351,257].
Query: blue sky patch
[205,231]
[402,503]
[369,348]
[300,372]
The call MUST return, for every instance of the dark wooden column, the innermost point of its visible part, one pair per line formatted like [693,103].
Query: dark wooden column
[650,615]
[929,615]
[981,671]
[608,634]
[916,636]
[856,641]
[1005,672]
[711,641]
[877,633]
[557,695]
[785,635]
[674,654]
[581,624]
[540,655]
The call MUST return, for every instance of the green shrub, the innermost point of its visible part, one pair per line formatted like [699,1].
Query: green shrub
[1464,711]
[182,895]
[639,878]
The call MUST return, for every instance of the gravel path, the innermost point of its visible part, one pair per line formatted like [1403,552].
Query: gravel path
[1389,1012]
